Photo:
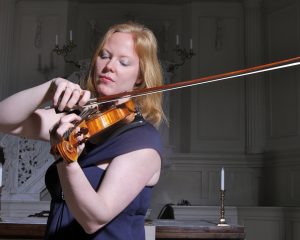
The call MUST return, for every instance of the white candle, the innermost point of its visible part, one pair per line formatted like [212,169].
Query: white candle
[177,40]
[222,179]
[56,40]
[71,35]
[191,44]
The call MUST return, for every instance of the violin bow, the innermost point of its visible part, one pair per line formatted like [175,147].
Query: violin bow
[214,78]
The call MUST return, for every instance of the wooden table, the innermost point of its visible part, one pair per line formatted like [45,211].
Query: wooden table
[165,229]
[189,229]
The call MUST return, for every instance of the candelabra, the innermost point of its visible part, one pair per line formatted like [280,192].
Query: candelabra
[222,221]
[65,51]
[183,55]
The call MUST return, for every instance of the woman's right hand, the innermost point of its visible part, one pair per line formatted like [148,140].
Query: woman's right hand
[68,94]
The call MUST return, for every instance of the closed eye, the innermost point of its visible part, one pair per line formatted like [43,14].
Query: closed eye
[104,55]
[124,62]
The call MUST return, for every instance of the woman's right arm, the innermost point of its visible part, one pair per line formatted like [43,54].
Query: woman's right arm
[20,114]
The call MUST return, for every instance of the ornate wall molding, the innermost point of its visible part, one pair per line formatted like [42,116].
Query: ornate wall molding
[24,169]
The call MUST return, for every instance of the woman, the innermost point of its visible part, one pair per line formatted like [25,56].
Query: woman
[106,193]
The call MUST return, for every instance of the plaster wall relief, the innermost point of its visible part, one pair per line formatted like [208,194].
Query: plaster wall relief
[23,175]
[29,158]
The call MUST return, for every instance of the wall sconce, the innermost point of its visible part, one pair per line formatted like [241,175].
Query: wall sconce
[66,50]
[183,55]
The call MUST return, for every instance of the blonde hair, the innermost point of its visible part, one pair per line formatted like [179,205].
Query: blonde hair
[150,69]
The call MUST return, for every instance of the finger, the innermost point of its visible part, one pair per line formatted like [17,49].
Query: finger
[70,118]
[60,85]
[80,148]
[74,98]
[65,98]
[80,139]
[85,97]
[63,128]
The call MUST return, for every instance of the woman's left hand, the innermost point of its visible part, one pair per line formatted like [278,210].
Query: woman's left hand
[68,94]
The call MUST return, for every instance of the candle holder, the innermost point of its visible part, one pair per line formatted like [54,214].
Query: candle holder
[222,221]
[183,55]
[65,51]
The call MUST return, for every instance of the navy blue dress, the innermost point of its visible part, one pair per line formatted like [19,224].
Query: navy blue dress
[129,224]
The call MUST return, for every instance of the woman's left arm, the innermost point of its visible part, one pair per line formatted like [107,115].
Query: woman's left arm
[124,179]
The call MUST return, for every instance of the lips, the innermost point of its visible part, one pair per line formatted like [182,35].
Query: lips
[104,78]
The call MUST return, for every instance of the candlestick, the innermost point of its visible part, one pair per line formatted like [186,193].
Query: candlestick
[222,221]
[222,179]
[191,44]
[71,35]
[56,40]
[184,55]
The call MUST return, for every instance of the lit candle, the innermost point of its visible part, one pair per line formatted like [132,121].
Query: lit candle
[177,40]
[56,40]
[222,179]
[191,44]
[71,35]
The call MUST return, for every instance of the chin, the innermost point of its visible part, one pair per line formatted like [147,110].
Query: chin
[103,91]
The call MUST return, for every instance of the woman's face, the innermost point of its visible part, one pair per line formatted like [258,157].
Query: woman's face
[117,66]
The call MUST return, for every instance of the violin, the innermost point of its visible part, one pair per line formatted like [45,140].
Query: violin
[94,121]
[97,121]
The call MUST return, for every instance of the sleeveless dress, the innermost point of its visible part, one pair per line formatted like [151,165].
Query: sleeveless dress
[129,224]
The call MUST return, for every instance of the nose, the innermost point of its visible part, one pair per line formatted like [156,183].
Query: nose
[110,65]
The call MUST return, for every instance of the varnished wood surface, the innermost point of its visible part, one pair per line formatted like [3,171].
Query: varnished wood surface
[22,231]
[189,229]
[165,229]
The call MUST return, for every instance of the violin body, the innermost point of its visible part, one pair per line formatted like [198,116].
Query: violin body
[94,124]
